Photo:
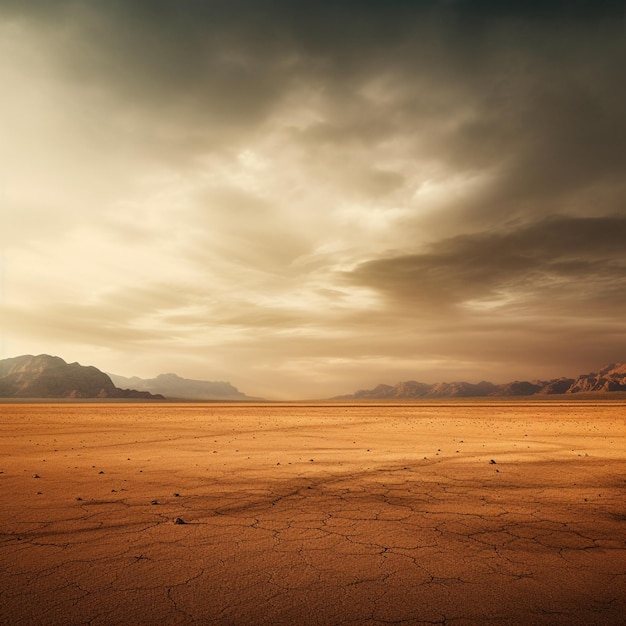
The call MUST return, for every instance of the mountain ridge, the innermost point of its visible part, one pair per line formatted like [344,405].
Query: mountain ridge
[173,386]
[45,376]
[608,379]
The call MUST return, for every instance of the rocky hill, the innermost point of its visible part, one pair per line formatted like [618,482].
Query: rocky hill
[610,378]
[45,376]
[173,386]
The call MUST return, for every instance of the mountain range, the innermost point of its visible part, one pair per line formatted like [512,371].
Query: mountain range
[608,379]
[46,376]
[173,387]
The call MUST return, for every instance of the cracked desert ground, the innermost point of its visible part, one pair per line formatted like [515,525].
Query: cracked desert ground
[432,513]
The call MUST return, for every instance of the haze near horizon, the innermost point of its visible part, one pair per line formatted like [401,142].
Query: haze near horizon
[305,200]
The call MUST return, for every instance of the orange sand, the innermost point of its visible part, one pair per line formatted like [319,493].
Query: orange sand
[313,514]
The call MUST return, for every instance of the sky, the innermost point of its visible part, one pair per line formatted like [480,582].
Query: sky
[310,198]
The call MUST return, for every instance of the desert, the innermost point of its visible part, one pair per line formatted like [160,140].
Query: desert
[459,512]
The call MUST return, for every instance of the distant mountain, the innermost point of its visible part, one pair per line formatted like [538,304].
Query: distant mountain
[45,376]
[175,387]
[610,378]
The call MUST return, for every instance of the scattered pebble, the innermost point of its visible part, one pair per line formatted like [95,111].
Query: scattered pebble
[36,476]
[492,462]
[179,520]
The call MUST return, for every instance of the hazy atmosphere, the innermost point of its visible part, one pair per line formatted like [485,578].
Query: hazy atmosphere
[309,198]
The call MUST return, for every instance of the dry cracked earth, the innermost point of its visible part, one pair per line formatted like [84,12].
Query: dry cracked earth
[460,513]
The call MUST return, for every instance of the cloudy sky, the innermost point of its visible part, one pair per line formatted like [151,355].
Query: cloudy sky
[308,198]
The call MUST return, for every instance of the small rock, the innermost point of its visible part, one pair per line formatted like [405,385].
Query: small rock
[79,499]
[154,502]
[179,520]
[36,476]
[177,495]
[492,462]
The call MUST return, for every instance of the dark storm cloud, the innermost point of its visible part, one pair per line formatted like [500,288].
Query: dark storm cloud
[553,264]
[532,90]
[239,55]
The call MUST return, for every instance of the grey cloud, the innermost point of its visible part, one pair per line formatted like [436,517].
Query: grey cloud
[207,56]
[557,263]
[535,86]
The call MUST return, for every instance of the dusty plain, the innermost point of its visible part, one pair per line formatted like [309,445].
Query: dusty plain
[436,513]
